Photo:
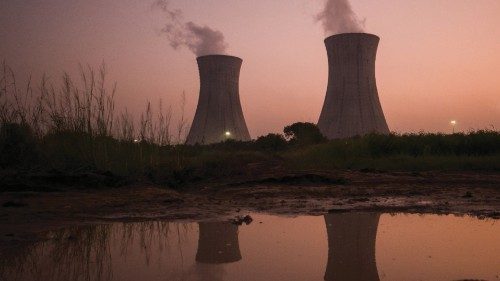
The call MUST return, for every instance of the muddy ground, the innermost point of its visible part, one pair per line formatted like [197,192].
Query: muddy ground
[25,216]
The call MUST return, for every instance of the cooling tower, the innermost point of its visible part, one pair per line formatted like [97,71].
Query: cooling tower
[352,106]
[219,115]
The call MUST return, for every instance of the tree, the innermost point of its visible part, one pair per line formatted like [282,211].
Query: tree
[303,134]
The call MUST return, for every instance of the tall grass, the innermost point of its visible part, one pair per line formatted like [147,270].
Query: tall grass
[86,106]
[74,123]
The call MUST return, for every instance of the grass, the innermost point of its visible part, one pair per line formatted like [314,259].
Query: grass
[73,126]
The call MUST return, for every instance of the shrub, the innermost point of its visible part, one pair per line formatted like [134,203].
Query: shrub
[18,146]
[271,142]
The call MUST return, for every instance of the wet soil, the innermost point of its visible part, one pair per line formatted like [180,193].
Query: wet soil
[25,216]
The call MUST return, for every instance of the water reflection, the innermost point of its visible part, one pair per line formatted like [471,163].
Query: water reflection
[352,246]
[72,254]
[217,245]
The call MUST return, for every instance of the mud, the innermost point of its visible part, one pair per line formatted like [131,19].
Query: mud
[26,216]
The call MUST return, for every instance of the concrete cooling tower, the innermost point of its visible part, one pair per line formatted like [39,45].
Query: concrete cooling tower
[352,106]
[219,116]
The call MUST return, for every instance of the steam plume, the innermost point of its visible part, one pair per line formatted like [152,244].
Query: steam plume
[338,17]
[201,40]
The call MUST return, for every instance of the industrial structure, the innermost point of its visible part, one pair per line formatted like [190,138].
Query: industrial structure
[352,106]
[351,247]
[219,115]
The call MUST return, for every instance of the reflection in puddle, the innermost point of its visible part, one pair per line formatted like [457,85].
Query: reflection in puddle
[352,246]
[217,245]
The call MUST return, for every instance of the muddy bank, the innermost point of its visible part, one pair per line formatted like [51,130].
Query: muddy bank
[25,216]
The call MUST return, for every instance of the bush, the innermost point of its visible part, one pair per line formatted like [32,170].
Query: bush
[271,142]
[18,147]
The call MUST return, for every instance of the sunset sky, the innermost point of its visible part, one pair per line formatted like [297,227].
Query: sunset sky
[438,60]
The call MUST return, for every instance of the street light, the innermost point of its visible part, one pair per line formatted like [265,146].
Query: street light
[453,124]
[228,134]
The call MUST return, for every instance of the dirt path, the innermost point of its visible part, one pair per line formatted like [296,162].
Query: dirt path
[26,216]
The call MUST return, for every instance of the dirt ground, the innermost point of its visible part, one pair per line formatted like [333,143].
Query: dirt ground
[26,216]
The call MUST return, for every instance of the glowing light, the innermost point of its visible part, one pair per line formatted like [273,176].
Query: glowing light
[228,134]
[136,141]
[453,124]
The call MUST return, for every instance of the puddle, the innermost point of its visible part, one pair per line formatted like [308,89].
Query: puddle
[343,247]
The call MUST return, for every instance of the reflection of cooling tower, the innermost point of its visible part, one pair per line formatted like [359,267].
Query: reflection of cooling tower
[218,243]
[219,115]
[351,247]
[352,106]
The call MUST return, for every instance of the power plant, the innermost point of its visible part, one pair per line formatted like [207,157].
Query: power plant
[352,106]
[219,115]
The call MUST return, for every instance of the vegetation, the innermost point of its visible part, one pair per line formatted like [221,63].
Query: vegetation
[72,128]
[477,150]
[302,134]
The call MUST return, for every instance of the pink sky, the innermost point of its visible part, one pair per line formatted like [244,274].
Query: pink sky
[438,60]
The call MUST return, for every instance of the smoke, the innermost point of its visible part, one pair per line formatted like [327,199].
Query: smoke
[338,17]
[201,40]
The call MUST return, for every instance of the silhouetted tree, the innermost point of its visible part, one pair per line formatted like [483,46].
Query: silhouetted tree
[303,134]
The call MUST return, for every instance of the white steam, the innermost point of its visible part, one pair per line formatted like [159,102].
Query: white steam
[201,40]
[338,17]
